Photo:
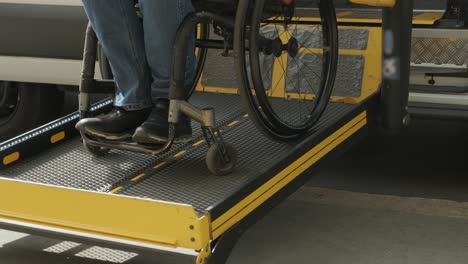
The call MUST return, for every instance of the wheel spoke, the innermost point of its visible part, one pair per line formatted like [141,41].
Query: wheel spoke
[308,82]
[291,68]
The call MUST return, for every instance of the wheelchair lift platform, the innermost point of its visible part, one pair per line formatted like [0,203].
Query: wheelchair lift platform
[171,204]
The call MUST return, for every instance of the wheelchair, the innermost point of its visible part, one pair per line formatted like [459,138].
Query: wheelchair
[286,65]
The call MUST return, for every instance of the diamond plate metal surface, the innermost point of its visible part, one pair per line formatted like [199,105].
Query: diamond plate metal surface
[440,51]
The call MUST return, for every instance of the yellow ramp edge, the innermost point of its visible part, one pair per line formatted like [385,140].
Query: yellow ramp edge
[279,181]
[138,220]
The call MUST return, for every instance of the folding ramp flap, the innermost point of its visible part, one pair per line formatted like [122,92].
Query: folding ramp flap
[107,216]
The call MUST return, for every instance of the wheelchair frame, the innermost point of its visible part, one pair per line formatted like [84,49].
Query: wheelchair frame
[394,100]
[178,94]
[170,225]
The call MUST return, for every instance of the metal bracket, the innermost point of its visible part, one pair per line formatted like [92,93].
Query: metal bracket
[223,247]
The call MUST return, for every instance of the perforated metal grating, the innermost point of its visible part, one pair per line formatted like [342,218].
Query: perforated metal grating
[188,180]
[70,165]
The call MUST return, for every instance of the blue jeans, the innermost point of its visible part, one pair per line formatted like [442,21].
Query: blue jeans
[140,52]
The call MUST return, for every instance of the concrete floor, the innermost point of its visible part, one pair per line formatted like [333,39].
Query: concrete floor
[400,199]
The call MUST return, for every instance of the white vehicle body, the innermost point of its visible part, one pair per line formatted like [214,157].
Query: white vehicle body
[42,41]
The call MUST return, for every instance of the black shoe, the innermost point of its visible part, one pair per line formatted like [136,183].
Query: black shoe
[155,130]
[117,125]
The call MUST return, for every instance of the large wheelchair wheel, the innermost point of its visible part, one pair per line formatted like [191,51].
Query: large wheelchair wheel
[286,63]
[203,33]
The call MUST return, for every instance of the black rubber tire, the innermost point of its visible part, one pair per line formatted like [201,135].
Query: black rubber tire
[215,162]
[204,33]
[255,96]
[36,105]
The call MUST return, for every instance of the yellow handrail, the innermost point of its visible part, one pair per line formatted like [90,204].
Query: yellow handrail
[379,3]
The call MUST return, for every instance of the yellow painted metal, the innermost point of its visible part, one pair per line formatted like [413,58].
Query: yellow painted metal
[372,74]
[200,142]
[160,165]
[344,13]
[360,20]
[215,89]
[275,184]
[136,178]
[370,80]
[120,217]
[57,137]
[204,254]
[427,18]
[278,81]
[233,123]
[377,3]
[116,189]
[7,160]
[181,153]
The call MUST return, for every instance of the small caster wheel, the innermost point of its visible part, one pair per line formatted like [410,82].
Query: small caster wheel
[216,163]
[96,151]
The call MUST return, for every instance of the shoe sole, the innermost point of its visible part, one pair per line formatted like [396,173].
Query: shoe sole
[183,140]
[143,139]
[109,136]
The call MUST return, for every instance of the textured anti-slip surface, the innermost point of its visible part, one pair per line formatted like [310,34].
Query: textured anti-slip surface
[70,165]
[184,178]
[218,69]
[188,180]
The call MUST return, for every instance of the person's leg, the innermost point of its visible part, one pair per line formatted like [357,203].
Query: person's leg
[161,19]
[120,33]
